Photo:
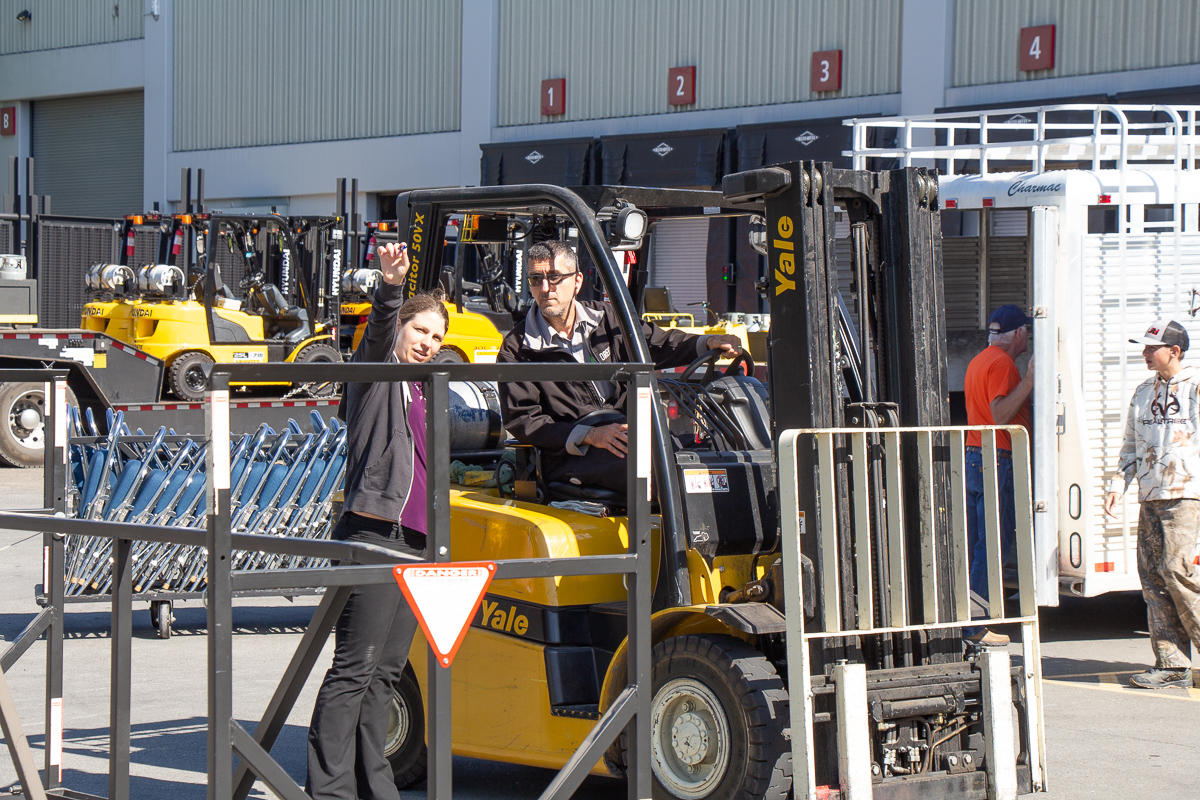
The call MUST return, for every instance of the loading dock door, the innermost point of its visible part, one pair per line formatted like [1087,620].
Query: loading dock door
[88,154]
[678,262]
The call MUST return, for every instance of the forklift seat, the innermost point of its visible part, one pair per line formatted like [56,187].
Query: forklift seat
[290,321]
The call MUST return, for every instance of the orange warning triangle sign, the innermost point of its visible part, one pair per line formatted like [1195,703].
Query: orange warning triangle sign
[444,598]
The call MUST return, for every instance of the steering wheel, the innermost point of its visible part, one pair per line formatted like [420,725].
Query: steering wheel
[710,359]
[251,280]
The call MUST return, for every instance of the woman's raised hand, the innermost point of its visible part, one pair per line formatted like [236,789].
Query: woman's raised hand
[393,262]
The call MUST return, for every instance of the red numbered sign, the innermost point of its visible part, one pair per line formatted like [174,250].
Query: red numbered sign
[8,121]
[554,97]
[681,86]
[826,71]
[1037,48]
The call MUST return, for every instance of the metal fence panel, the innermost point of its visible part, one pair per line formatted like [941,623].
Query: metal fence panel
[66,248]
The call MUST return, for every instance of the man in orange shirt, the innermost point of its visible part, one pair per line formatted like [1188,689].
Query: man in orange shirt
[996,394]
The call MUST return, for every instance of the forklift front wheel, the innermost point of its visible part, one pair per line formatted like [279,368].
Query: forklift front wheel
[320,353]
[188,376]
[404,746]
[717,721]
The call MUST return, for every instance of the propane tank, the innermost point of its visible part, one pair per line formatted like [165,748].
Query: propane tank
[160,279]
[361,281]
[116,278]
[475,416]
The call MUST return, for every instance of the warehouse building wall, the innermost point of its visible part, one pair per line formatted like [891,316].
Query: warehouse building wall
[1091,37]
[292,71]
[615,55]
[55,24]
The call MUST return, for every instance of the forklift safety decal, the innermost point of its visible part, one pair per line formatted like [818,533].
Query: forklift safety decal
[785,250]
[705,481]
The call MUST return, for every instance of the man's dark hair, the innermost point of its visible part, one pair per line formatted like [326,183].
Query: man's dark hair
[551,250]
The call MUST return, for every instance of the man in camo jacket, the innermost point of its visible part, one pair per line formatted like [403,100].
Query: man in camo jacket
[1162,450]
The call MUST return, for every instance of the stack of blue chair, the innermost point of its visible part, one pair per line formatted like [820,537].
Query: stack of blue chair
[282,484]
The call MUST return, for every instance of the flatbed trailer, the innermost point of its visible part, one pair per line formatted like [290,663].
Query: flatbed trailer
[107,375]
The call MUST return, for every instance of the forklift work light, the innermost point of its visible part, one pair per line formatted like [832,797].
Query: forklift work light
[626,225]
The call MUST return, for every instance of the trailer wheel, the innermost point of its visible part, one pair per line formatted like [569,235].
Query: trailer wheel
[320,353]
[22,423]
[405,742]
[161,617]
[717,721]
[187,377]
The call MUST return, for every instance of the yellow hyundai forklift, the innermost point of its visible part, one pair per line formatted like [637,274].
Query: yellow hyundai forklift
[545,657]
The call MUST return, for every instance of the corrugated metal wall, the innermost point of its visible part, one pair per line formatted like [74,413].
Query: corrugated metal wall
[284,71]
[1091,36]
[615,54]
[67,23]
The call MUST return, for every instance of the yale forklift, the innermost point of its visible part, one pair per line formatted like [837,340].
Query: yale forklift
[545,657]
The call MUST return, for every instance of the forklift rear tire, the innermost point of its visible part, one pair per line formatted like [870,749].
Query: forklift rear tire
[717,721]
[405,743]
[188,376]
[320,353]
[447,355]
[22,423]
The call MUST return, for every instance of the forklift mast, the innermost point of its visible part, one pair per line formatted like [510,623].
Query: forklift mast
[883,366]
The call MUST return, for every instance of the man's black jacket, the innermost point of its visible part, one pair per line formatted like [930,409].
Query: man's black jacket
[543,414]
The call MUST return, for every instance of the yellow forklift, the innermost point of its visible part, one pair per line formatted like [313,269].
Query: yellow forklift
[546,657]
[190,318]
[474,335]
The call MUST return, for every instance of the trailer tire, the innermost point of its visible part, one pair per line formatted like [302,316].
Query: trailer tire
[187,377]
[720,707]
[405,742]
[22,423]
[161,617]
[320,353]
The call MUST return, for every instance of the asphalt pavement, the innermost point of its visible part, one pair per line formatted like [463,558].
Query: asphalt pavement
[1104,740]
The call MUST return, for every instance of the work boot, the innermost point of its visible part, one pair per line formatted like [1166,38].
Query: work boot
[987,638]
[1162,679]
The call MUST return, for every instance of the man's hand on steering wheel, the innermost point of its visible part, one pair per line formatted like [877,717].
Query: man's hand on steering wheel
[726,342]
[613,437]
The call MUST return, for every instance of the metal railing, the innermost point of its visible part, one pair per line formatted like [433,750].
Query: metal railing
[227,739]
[1039,134]
[866,449]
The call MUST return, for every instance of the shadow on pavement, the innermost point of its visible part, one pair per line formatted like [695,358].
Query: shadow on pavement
[1116,615]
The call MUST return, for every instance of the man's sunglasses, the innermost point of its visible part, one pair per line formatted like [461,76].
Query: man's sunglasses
[554,278]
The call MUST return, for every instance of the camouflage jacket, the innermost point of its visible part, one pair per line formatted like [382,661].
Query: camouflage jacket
[1162,439]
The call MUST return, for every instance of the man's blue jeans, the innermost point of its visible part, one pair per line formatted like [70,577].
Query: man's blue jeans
[976,545]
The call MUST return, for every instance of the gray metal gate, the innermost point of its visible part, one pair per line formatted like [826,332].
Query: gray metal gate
[629,712]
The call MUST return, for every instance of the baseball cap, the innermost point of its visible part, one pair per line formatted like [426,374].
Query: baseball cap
[1007,318]
[1168,332]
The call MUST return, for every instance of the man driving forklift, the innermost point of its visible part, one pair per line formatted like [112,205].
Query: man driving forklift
[577,427]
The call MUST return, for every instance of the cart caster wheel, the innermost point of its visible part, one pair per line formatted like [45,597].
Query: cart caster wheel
[161,618]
